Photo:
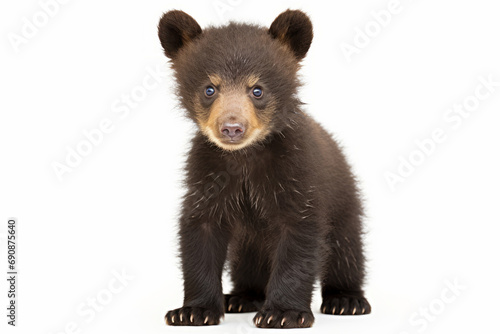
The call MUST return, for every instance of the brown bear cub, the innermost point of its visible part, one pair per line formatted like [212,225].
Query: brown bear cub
[268,190]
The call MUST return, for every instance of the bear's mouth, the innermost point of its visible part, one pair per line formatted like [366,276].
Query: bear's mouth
[233,144]
[232,141]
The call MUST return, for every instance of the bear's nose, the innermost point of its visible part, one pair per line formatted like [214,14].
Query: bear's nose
[232,130]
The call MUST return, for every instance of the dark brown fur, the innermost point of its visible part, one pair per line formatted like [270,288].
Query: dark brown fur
[284,209]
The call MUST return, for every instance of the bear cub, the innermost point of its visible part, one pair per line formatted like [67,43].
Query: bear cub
[269,192]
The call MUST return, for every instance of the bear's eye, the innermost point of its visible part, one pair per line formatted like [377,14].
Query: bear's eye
[257,92]
[209,91]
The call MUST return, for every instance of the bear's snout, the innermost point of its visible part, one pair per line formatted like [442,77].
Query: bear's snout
[232,131]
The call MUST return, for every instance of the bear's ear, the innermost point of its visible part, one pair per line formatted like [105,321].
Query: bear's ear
[175,30]
[293,28]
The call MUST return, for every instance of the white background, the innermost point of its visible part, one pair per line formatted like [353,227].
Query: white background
[117,210]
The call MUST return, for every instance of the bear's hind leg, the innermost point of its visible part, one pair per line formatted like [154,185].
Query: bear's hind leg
[343,273]
[250,275]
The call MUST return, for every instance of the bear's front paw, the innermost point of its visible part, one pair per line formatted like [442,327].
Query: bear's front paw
[193,316]
[273,318]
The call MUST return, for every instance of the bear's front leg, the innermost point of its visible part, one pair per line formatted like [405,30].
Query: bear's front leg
[203,246]
[294,267]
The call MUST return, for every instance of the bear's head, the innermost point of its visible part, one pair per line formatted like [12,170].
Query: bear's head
[237,82]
